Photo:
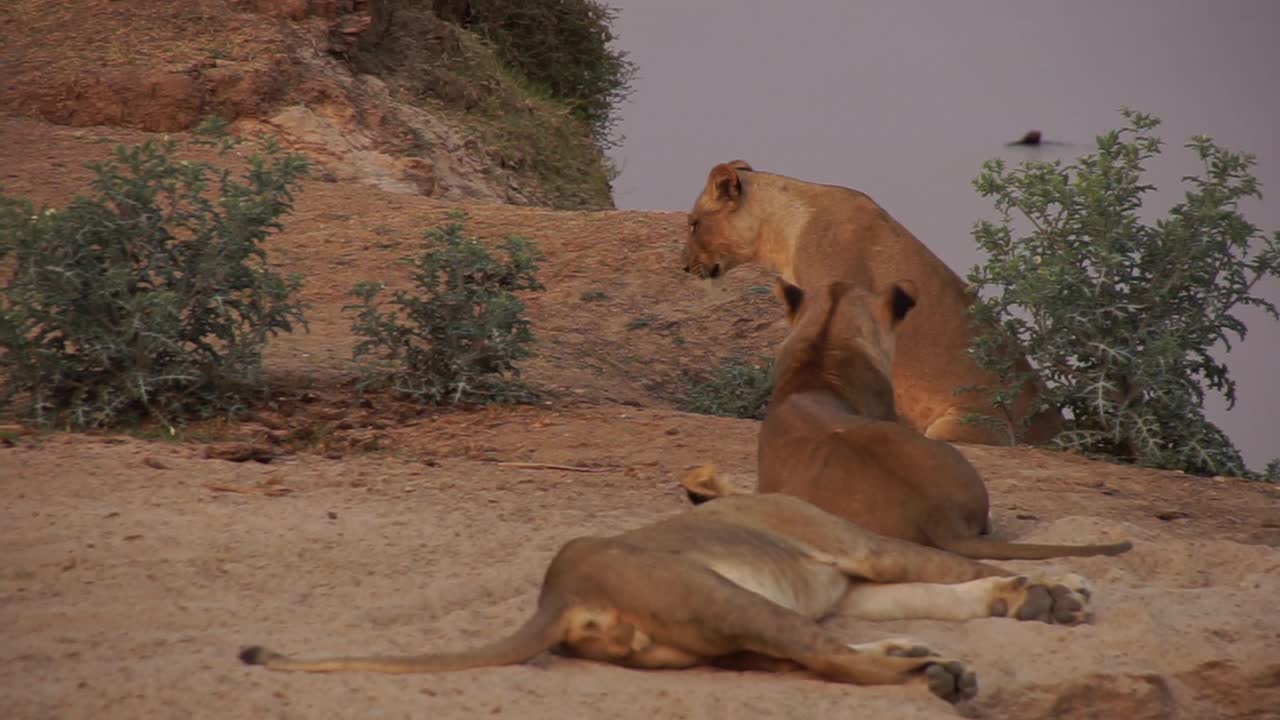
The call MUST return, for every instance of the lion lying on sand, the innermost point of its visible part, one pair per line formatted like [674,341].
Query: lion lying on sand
[742,582]
[814,235]
[830,437]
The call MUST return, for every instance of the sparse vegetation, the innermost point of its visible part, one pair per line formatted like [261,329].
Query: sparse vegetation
[735,389]
[593,296]
[562,48]
[151,297]
[519,122]
[1122,317]
[641,322]
[458,335]
[1271,473]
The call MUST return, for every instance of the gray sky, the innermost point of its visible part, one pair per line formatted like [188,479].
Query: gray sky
[904,99]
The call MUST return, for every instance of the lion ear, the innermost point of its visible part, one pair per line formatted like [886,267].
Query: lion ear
[724,182]
[898,301]
[790,295]
[705,483]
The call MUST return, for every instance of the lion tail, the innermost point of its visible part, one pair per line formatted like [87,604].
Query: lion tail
[979,548]
[538,634]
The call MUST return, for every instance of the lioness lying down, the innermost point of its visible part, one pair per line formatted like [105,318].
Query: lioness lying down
[814,235]
[742,582]
[829,434]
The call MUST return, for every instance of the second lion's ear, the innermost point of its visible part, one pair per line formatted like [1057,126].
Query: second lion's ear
[899,299]
[791,296]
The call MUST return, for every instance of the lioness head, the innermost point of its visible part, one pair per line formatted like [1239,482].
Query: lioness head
[842,339]
[718,240]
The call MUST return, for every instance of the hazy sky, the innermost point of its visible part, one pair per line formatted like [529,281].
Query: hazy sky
[904,99]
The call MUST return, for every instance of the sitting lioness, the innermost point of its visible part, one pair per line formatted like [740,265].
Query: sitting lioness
[814,235]
[830,437]
[742,582]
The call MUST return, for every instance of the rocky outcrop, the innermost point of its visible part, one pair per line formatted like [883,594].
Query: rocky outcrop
[158,99]
[277,66]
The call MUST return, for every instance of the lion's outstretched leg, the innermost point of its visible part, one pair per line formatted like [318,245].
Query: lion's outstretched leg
[948,679]
[677,605]
[883,662]
[1063,600]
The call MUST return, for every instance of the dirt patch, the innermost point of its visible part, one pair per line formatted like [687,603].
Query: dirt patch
[132,570]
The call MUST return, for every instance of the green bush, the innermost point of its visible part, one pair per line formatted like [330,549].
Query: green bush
[1120,316]
[519,129]
[152,297]
[735,389]
[562,47]
[458,336]
[1271,473]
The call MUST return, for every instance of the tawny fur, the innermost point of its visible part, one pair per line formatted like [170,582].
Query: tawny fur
[830,434]
[814,235]
[743,582]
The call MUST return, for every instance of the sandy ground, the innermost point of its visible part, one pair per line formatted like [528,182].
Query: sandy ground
[133,568]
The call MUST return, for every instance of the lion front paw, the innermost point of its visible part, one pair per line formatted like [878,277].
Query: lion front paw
[1063,600]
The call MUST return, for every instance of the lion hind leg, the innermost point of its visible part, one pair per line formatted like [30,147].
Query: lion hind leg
[657,609]
[766,635]
[684,606]
[898,661]
[783,638]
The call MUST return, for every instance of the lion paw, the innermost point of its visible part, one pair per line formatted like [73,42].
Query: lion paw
[948,679]
[1063,600]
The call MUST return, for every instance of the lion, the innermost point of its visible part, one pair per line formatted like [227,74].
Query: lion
[743,582]
[816,234]
[830,434]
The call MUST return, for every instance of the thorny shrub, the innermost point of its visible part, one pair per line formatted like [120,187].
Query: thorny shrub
[735,389]
[151,297]
[1122,317]
[458,335]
